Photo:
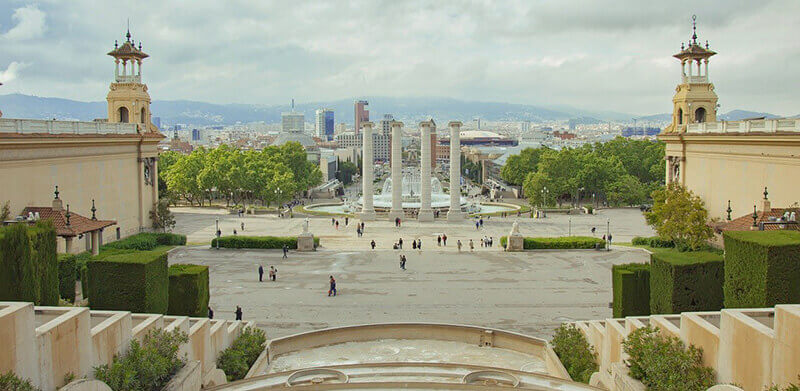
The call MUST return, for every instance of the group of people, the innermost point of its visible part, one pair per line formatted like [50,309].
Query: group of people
[237,313]
[487,241]
[273,273]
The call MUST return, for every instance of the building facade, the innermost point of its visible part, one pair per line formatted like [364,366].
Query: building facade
[324,124]
[361,114]
[381,144]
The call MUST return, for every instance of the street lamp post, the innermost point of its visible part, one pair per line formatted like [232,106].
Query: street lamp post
[217,234]
[570,226]
[608,234]
[594,204]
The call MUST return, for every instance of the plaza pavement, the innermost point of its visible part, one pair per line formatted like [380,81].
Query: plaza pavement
[530,292]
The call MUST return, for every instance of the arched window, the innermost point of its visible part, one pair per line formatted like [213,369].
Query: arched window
[700,115]
[142,118]
[123,114]
[680,116]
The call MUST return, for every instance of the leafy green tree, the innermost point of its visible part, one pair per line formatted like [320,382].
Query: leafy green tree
[346,172]
[181,177]
[680,215]
[626,190]
[575,352]
[534,188]
[162,217]
[517,167]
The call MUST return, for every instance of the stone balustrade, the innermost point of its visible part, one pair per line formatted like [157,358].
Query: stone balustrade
[754,348]
[46,344]
[746,126]
[37,126]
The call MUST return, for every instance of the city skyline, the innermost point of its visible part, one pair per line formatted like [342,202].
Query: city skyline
[537,54]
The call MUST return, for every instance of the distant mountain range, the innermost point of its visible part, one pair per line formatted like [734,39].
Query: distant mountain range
[408,108]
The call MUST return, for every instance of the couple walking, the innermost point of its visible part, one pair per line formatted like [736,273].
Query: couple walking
[273,273]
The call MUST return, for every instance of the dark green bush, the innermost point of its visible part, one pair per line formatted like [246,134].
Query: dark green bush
[147,241]
[563,243]
[264,242]
[762,268]
[10,382]
[84,273]
[67,271]
[147,366]
[575,352]
[664,363]
[685,281]
[653,241]
[18,274]
[631,289]
[45,256]
[237,359]
[136,282]
[188,290]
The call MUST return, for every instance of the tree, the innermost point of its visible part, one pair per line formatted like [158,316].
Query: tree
[5,212]
[534,189]
[626,190]
[517,167]
[679,215]
[162,217]
[346,172]
[181,177]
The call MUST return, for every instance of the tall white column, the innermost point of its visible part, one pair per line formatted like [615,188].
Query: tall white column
[368,175]
[397,171]
[425,211]
[455,214]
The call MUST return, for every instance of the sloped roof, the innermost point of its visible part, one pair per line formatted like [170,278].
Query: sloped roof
[77,223]
[745,223]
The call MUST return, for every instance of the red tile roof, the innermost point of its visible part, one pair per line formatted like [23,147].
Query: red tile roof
[77,223]
[745,223]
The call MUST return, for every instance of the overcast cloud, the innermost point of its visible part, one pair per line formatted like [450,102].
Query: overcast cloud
[597,55]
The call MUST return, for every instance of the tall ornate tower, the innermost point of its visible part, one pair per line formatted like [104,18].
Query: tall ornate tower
[695,99]
[128,100]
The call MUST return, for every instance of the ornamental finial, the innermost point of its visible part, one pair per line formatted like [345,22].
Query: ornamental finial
[755,216]
[56,192]
[94,217]
[729,210]
[694,29]
[67,215]
[765,193]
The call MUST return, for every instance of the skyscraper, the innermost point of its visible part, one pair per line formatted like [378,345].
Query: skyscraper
[361,114]
[386,124]
[293,121]
[324,124]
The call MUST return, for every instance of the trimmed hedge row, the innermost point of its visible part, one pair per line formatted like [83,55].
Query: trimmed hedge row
[631,289]
[685,281]
[67,275]
[188,290]
[652,241]
[136,282]
[29,264]
[147,241]
[762,268]
[562,243]
[264,242]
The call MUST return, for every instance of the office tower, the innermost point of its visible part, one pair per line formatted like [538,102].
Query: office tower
[361,114]
[324,124]
[293,121]
[386,124]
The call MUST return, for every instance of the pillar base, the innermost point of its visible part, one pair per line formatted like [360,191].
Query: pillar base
[396,214]
[455,216]
[515,243]
[366,216]
[305,242]
[425,215]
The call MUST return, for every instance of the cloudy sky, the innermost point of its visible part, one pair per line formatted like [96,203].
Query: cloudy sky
[598,55]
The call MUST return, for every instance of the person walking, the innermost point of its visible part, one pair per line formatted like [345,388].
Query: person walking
[273,273]
[332,289]
[210,313]
[242,226]
[285,251]
[402,262]
[439,240]
[414,244]
[471,246]
[238,313]
[260,273]
[593,229]
[337,224]
[419,244]
[333,221]
[444,240]
[346,221]
[491,241]
[400,243]
[477,225]
[372,243]
[482,242]
[458,243]
[234,232]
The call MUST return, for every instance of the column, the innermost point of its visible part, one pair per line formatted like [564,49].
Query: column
[368,175]
[68,244]
[397,171]
[455,214]
[425,211]
[95,242]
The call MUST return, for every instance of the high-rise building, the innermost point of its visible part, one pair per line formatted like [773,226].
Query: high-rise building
[196,135]
[293,121]
[324,124]
[361,114]
[386,124]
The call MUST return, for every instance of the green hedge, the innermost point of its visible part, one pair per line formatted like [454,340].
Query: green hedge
[239,241]
[575,352]
[188,290]
[631,289]
[652,241]
[762,268]
[28,263]
[685,281]
[236,360]
[564,243]
[147,241]
[67,273]
[136,282]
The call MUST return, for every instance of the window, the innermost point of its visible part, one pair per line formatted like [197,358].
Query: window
[143,117]
[123,114]
[680,116]
[700,115]
[119,234]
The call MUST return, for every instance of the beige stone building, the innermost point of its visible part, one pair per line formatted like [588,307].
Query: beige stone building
[727,160]
[111,162]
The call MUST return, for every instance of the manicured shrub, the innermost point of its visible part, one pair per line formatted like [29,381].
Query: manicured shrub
[136,282]
[264,242]
[762,268]
[653,241]
[237,359]
[664,363]
[146,366]
[631,289]
[84,273]
[18,273]
[147,241]
[67,272]
[10,382]
[188,290]
[562,243]
[685,281]
[45,257]
[575,352]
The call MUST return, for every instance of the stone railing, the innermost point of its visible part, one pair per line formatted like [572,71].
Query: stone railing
[748,126]
[37,126]
[754,348]
[46,344]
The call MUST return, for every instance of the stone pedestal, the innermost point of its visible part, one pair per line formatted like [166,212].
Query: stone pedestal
[305,242]
[515,243]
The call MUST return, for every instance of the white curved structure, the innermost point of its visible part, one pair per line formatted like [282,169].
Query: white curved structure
[411,193]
